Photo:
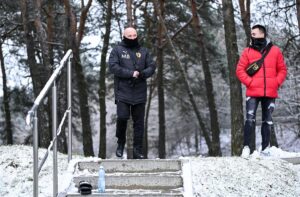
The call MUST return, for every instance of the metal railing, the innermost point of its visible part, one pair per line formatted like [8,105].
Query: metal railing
[32,120]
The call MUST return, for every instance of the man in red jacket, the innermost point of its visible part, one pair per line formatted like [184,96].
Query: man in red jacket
[262,86]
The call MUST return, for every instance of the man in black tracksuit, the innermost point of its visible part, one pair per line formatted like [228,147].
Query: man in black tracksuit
[131,65]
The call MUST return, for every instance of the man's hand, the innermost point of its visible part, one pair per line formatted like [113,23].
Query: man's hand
[136,74]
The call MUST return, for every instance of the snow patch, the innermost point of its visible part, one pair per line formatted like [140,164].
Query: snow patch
[235,176]
[187,177]
[209,176]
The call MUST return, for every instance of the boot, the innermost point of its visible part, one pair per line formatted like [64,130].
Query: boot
[138,153]
[120,149]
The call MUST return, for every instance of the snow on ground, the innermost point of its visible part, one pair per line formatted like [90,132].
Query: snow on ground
[211,176]
[16,172]
[235,176]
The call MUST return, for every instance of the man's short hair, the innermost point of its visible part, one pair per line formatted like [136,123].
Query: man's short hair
[261,28]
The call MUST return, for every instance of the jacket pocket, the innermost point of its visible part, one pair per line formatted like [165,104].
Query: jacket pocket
[250,83]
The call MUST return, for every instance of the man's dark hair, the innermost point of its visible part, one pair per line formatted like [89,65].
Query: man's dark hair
[261,28]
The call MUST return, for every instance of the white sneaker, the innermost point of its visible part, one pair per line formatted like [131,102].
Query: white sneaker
[255,154]
[246,152]
[266,152]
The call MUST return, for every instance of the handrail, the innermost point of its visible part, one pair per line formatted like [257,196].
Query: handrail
[31,119]
[58,131]
[47,86]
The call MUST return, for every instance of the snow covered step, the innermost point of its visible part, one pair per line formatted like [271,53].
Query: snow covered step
[134,193]
[293,160]
[133,181]
[149,165]
[126,195]
[156,177]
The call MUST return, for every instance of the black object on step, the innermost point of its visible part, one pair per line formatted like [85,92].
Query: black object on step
[85,188]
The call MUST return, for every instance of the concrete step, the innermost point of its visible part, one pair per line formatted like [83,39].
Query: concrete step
[293,160]
[133,181]
[125,195]
[132,166]
[138,193]
[156,177]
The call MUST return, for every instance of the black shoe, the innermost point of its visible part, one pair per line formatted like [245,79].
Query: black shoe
[120,149]
[137,153]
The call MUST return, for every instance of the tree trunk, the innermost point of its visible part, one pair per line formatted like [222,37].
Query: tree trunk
[46,137]
[145,140]
[62,105]
[38,72]
[236,101]
[42,35]
[152,84]
[160,89]
[186,83]
[84,107]
[117,17]
[129,13]
[76,35]
[298,13]
[214,123]
[245,14]
[196,142]
[102,91]
[6,99]
[63,101]
[50,31]
[61,82]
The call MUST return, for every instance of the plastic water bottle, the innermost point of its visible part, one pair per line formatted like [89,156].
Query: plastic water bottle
[101,180]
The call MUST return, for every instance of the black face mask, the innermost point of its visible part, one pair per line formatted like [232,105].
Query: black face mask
[258,43]
[131,43]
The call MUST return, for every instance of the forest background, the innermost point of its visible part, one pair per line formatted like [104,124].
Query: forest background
[195,102]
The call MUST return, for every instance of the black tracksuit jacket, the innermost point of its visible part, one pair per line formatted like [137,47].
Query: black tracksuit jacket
[123,61]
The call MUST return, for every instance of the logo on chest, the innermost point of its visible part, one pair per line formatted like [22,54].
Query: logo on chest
[138,55]
[125,55]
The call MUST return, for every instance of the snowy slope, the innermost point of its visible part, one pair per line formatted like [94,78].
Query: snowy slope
[225,176]
[235,176]
[16,171]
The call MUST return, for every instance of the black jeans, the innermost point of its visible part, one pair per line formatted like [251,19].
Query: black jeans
[123,113]
[267,106]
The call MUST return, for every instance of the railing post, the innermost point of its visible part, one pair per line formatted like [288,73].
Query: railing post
[54,134]
[69,77]
[32,119]
[35,155]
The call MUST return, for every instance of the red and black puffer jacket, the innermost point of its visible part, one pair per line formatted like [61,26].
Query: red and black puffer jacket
[270,76]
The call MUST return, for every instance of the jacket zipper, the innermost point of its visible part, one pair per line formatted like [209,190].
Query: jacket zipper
[265,81]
